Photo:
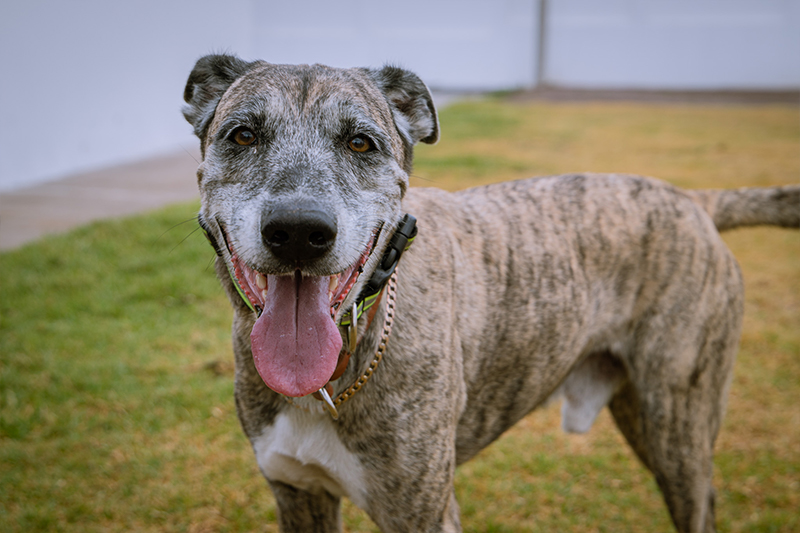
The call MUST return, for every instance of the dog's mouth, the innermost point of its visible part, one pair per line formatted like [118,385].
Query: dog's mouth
[295,341]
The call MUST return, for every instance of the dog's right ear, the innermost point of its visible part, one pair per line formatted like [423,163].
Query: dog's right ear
[210,78]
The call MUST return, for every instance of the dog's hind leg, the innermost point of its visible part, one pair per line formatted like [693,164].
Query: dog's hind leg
[670,412]
[303,511]
[679,451]
[679,454]
[625,408]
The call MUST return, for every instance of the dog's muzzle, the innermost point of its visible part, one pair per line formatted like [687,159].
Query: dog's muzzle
[295,341]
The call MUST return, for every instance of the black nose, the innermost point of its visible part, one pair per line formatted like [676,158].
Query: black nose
[298,234]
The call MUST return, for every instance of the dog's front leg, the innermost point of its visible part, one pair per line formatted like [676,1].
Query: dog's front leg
[452,515]
[303,511]
[438,514]
[410,485]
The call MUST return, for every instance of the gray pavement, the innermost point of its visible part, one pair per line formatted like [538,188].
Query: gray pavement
[29,213]
[704,97]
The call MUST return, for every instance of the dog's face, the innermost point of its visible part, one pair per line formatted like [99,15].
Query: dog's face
[303,171]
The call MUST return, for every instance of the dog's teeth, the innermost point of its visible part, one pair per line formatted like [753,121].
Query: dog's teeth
[261,281]
[334,283]
[264,294]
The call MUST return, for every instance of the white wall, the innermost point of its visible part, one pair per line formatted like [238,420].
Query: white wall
[674,44]
[91,83]
[452,44]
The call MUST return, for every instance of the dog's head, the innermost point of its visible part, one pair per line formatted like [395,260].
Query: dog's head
[303,171]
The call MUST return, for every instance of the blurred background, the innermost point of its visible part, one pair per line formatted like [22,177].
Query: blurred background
[89,85]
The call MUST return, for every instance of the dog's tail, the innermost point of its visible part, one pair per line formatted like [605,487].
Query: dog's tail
[751,206]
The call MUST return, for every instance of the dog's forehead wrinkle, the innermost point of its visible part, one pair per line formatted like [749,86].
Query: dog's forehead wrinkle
[332,118]
[299,84]
[259,112]
[311,88]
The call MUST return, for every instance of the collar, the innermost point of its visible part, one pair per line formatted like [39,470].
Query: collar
[401,241]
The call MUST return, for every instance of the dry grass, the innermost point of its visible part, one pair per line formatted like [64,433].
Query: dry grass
[115,380]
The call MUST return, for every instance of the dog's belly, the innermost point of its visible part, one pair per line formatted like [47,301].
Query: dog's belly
[304,450]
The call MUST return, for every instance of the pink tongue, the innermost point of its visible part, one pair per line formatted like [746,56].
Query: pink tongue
[295,342]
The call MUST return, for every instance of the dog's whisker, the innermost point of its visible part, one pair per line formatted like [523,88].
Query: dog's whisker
[175,226]
[179,224]
[190,154]
[210,264]
[195,230]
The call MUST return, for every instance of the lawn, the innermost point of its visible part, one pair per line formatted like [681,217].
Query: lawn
[116,408]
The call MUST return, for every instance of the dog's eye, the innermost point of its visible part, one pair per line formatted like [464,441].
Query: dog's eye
[360,144]
[243,136]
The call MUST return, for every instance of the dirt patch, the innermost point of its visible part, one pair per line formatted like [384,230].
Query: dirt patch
[563,94]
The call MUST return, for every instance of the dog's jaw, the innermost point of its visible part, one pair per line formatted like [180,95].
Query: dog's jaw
[296,344]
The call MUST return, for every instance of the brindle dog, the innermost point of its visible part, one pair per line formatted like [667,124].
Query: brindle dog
[611,289]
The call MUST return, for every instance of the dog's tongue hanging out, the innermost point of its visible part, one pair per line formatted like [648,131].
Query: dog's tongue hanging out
[295,343]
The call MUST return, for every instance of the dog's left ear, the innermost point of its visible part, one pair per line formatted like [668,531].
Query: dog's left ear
[411,103]
[210,78]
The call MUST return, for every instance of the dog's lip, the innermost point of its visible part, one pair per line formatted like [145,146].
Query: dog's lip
[254,283]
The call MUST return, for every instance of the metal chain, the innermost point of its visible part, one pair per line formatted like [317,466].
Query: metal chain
[391,292]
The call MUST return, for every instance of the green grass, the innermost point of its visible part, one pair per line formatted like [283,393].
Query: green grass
[116,408]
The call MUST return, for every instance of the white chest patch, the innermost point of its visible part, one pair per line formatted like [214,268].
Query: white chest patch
[303,450]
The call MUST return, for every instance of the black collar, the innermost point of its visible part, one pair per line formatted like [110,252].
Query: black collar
[400,242]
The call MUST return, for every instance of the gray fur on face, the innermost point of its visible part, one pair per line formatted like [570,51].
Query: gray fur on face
[609,289]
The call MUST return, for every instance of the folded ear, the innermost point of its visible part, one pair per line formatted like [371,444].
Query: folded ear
[411,103]
[210,78]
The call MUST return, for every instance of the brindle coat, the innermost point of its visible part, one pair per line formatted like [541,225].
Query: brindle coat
[609,289]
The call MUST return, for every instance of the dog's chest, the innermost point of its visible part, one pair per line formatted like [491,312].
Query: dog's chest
[303,450]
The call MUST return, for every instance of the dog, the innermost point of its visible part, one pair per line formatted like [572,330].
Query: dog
[372,357]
